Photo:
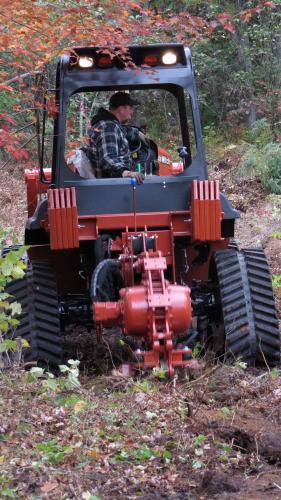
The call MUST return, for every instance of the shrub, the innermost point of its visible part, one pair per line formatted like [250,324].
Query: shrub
[265,161]
[12,266]
[271,175]
[260,132]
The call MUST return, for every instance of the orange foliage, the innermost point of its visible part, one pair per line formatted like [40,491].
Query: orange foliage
[32,34]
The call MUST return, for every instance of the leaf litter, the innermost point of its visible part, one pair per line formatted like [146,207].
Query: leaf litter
[216,436]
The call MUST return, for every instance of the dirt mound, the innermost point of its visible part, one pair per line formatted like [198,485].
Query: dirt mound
[245,193]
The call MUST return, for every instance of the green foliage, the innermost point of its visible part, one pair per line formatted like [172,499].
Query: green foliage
[262,158]
[199,440]
[198,450]
[12,345]
[276,280]
[224,412]
[197,350]
[88,496]
[276,235]
[8,492]
[240,364]
[274,373]
[12,266]
[226,449]
[144,453]
[159,373]
[53,452]
[141,454]
[167,456]
[260,132]
[144,385]
[271,176]
[50,383]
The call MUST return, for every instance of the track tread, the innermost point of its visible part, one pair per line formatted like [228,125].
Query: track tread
[248,306]
[238,333]
[39,320]
[266,321]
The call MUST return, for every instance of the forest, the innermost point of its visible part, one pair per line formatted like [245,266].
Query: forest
[86,431]
[235,48]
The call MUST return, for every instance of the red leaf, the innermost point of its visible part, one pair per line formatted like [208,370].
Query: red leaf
[6,87]
[6,127]
[247,14]
[20,154]
[224,16]
[229,27]
[8,118]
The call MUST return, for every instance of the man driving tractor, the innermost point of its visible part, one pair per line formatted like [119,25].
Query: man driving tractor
[110,147]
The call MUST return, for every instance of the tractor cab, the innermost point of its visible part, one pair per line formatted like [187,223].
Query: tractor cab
[161,79]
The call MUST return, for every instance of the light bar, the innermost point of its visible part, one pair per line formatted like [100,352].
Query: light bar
[85,62]
[169,58]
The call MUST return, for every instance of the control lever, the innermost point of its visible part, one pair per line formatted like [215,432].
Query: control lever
[134,186]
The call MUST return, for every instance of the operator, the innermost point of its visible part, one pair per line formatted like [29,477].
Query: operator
[110,148]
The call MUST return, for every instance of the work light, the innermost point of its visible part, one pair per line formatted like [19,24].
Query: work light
[86,62]
[169,58]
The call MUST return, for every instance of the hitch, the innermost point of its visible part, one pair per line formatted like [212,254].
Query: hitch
[155,311]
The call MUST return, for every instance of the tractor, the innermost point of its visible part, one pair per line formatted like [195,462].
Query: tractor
[159,260]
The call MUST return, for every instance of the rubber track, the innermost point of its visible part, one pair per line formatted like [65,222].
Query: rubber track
[39,320]
[233,245]
[266,321]
[240,340]
[251,326]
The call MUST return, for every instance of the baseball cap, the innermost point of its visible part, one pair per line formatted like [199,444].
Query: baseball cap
[121,99]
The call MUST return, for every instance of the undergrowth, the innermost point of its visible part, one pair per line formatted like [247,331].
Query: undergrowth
[12,266]
[260,154]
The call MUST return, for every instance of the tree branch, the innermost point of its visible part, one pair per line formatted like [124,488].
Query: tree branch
[20,77]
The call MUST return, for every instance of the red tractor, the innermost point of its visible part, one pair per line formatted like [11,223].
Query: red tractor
[157,260]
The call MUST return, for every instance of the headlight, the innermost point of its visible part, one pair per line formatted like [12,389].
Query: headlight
[85,62]
[169,58]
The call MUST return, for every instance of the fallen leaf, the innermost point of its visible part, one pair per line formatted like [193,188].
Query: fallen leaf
[94,454]
[79,406]
[48,486]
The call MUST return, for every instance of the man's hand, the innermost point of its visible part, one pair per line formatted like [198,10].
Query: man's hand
[144,139]
[134,175]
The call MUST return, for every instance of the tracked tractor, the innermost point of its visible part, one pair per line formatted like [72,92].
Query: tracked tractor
[157,260]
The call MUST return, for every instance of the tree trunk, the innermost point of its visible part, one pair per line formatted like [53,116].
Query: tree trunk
[244,57]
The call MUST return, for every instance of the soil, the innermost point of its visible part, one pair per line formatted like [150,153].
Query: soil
[211,433]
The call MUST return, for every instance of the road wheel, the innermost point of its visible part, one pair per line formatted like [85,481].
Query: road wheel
[247,304]
[39,319]
[106,281]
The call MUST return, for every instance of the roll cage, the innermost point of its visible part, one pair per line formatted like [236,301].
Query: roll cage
[157,194]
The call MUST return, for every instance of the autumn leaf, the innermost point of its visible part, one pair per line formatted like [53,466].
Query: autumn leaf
[48,487]
[20,154]
[94,455]
[80,406]
[8,118]
[229,27]
[6,87]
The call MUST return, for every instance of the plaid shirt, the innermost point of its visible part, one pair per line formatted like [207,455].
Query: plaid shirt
[110,147]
